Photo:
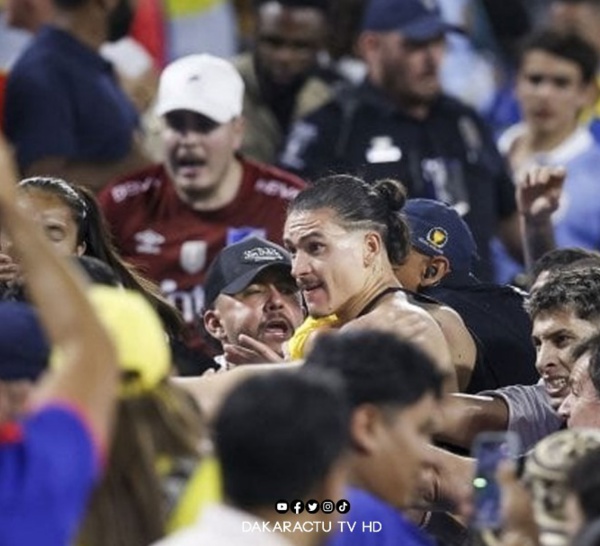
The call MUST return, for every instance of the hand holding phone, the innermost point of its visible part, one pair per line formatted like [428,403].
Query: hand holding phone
[489,449]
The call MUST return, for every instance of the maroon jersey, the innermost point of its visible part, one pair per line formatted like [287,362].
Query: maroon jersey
[173,244]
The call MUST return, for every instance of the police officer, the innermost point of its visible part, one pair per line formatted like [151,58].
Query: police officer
[399,124]
[440,265]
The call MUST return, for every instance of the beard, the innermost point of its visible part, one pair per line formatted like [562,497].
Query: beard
[404,94]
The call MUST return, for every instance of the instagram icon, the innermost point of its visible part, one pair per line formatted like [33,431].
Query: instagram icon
[327,506]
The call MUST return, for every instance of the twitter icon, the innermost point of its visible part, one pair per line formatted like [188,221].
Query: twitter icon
[312,506]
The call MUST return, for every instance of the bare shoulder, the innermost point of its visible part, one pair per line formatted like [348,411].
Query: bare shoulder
[460,340]
[398,316]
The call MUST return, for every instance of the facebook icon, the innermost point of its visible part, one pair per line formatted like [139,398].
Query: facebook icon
[297,506]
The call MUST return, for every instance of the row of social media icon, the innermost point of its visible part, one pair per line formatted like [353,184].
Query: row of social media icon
[312,506]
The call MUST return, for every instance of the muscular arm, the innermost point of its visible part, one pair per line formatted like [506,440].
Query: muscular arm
[436,345]
[410,322]
[210,390]
[463,350]
[89,375]
[446,483]
[465,415]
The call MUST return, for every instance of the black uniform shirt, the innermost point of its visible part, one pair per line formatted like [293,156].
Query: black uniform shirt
[450,155]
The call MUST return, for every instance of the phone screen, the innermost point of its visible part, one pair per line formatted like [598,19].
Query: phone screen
[490,449]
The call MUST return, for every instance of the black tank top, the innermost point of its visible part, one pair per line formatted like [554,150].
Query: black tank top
[371,305]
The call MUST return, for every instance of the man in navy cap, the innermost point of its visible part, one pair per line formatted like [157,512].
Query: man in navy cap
[399,124]
[440,265]
[252,302]
[443,248]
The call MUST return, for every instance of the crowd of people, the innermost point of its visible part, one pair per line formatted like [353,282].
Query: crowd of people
[277,299]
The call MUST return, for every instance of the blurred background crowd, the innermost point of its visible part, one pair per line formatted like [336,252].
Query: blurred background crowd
[258,253]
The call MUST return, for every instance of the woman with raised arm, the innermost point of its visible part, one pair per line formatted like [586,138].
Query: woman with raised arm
[45,482]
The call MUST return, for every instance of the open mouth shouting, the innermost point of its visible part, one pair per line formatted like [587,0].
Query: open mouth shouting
[557,387]
[189,166]
[277,329]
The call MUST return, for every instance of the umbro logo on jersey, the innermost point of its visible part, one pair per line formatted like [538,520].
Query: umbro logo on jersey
[148,242]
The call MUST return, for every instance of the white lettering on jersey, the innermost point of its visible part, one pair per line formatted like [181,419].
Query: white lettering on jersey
[132,187]
[148,242]
[276,188]
[192,256]
[189,302]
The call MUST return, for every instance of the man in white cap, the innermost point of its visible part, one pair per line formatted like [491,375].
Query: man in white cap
[172,219]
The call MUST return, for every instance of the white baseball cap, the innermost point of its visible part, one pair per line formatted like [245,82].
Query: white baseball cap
[204,84]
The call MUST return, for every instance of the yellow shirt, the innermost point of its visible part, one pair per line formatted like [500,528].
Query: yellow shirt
[203,488]
[297,344]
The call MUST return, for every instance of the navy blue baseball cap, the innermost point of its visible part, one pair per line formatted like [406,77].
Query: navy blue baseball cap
[436,229]
[24,349]
[417,20]
[237,265]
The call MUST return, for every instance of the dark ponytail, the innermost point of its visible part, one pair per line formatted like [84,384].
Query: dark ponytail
[359,205]
[398,236]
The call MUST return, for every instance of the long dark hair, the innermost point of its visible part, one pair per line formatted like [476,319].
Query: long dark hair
[93,232]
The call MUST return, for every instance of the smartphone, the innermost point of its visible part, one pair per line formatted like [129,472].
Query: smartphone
[489,449]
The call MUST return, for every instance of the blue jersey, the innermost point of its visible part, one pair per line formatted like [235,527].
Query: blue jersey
[48,468]
[371,521]
[577,220]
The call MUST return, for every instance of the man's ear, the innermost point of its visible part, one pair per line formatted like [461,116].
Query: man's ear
[435,271]
[364,428]
[367,44]
[214,325]
[239,128]
[80,250]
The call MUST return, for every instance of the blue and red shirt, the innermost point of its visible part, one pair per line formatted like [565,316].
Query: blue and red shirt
[49,465]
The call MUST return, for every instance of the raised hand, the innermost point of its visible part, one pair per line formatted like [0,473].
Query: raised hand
[538,192]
